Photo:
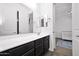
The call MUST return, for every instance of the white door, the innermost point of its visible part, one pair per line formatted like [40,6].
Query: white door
[75,28]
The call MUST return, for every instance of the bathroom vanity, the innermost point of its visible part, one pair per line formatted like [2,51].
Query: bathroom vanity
[34,46]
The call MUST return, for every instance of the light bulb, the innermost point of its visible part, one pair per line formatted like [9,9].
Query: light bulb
[0,20]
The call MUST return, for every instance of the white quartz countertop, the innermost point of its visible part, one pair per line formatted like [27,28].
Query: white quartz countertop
[7,42]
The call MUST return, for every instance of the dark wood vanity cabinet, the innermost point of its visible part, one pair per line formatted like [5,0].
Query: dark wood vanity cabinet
[19,50]
[34,48]
[29,53]
[45,44]
[39,47]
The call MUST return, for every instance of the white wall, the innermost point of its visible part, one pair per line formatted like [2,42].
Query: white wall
[44,10]
[24,19]
[63,20]
[31,23]
[9,18]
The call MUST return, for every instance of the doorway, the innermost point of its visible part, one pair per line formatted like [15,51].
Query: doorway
[63,25]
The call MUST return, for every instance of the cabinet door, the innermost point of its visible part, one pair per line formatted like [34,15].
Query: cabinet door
[46,44]
[39,42]
[39,50]
[8,21]
[39,47]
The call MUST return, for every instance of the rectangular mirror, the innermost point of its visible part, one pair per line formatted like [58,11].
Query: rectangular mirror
[15,19]
[42,22]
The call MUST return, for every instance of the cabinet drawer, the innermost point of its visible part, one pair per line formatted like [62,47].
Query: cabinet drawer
[38,42]
[46,38]
[29,53]
[20,50]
